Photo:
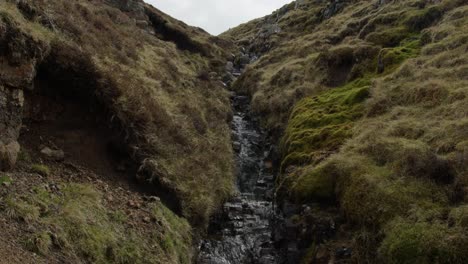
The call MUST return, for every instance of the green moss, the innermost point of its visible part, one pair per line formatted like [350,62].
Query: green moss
[422,242]
[40,169]
[319,125]
[393,57]
[5,180]
[315,184]
[322,123]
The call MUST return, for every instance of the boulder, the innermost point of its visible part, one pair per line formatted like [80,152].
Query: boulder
[230,66]
[57,155]
[8,155]
[237,146]
[11,105]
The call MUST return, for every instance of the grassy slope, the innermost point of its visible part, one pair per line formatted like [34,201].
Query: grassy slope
[152,85]
[389,144]
[174,117]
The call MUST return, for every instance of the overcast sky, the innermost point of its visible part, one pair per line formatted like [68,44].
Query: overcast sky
[217,16]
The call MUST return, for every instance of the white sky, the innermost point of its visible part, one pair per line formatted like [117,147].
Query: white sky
[217,16]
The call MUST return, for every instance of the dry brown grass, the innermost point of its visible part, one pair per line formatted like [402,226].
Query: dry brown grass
[174,122]
[147,83]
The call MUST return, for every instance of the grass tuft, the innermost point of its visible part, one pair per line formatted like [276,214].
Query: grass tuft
[41,169]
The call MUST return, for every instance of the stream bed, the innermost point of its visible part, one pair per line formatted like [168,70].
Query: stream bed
[242,234]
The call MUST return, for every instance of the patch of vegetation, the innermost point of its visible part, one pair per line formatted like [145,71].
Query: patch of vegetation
[392,156]
[321,124]
[84,229]
[389,37]
[19,209]
[422,242]
[394,57]
[41,169]
[40,243]
[24,156]
[5,180]
[148,83]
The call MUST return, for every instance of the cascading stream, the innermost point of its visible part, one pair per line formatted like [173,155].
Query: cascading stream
[243,234]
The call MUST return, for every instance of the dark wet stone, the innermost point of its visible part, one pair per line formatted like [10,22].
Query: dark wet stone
[245,233]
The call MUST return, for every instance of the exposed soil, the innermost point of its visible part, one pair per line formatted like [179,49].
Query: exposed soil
[93,156]
[80,130]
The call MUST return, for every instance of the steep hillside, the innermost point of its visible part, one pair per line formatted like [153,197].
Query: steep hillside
[111,112]
[368,101]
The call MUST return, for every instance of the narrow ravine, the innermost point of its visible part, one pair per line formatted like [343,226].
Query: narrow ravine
[243,234]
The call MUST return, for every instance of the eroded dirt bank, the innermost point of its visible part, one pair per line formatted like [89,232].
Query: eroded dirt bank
[114,140]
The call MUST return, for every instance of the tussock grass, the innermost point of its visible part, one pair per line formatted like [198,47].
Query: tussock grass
[390,151]
[148,86]
[76,223]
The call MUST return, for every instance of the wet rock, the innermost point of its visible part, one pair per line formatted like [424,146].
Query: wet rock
[234,137]
[236,146]
[343,252]
[236,73]
[244,230]
[228,78]
[244,59]
[56,155]
[152,199]
[230,66]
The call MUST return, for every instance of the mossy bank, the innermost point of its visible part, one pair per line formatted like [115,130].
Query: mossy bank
[368,103]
